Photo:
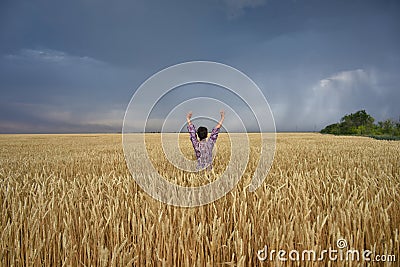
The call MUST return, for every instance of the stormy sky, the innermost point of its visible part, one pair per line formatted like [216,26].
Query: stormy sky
[73,66]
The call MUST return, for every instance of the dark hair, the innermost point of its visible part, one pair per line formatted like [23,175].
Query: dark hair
[202,133]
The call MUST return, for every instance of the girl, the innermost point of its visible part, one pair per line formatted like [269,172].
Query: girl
[204,147]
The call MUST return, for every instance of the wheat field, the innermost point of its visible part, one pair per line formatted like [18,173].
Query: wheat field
[69,200]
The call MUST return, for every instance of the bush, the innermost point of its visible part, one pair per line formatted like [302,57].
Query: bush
[361,123]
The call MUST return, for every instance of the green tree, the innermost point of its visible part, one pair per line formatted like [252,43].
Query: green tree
[331,129]
[397,130]
[360,118]
[361,123]
[388,126]
[356,123]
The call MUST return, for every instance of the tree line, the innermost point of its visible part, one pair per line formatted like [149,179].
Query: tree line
[361,123]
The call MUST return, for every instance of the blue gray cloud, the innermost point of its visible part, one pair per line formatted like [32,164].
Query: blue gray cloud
[73,66]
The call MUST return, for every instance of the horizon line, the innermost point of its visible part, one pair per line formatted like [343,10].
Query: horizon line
[151,132]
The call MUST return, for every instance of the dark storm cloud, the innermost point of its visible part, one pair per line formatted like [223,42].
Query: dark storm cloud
[75,64]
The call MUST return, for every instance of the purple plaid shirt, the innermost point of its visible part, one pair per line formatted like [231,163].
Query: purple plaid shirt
[203,149]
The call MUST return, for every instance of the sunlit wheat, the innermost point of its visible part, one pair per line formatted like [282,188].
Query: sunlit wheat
[70,200]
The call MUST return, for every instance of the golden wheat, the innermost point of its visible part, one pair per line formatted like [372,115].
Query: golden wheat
[70,200]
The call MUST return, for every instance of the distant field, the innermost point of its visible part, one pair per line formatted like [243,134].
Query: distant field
[70,200]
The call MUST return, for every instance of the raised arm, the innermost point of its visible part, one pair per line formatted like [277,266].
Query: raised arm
[188,117]
[215,131]
[221,120]
[192,132]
